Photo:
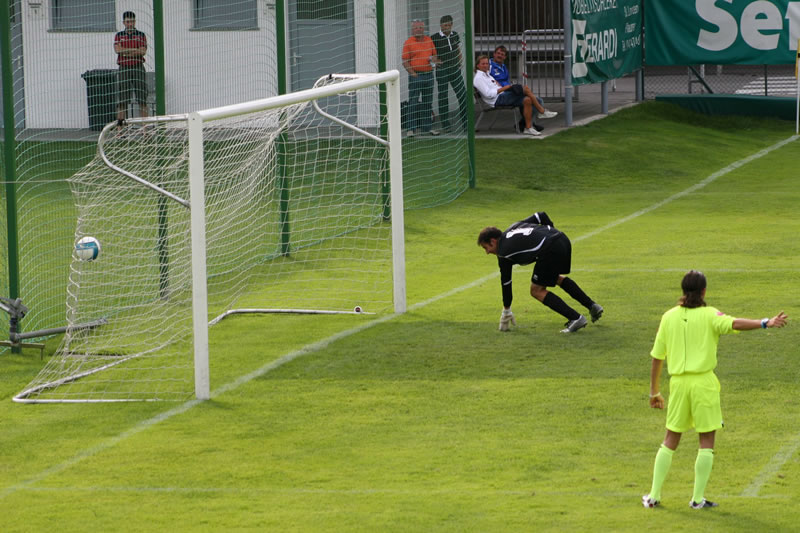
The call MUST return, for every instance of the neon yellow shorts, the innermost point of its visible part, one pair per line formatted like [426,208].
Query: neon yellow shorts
[694,403]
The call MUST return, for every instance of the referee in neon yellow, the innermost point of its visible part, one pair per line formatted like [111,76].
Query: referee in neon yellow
[687,339]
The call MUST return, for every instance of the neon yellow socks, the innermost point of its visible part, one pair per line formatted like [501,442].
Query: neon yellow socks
[660,470]
[702,471]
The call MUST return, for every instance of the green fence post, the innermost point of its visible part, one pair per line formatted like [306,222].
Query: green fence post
[381,35]
[161,109]
[469,36]
[283,88]
[9,146]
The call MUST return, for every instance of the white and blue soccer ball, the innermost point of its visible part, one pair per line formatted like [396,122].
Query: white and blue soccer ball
[87,249]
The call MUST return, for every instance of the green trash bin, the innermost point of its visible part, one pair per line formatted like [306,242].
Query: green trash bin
[101,96]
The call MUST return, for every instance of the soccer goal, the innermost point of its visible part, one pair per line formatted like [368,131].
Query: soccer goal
[290,204]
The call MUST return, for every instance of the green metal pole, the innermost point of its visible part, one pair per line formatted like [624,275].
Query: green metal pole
[381,35]
[283,88]
[161,105]
[158,49]
[9,152]
[469,36]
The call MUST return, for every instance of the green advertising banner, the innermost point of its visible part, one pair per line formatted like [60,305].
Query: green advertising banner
[743,32]
[606,39]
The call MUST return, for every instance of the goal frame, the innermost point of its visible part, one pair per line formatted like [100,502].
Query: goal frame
[195,124]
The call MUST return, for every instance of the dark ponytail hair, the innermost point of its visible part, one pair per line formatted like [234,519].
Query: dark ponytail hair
[693,284]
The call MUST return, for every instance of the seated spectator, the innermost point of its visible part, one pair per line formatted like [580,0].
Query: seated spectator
[499,71]
[495,94]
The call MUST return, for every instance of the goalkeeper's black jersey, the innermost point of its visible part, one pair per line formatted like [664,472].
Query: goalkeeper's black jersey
[522,244]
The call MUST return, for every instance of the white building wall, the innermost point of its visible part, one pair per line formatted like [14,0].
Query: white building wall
[55,93]
[202,68]
[207,69]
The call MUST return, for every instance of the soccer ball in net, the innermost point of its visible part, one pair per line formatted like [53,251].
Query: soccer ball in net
[87,249]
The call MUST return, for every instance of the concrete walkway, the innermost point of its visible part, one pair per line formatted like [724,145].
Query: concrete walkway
[587,109]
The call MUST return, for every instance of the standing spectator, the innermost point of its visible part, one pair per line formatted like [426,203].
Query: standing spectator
[130,45]
[419,58]
[535,239]
[687,339]
[448,72]
[499,71]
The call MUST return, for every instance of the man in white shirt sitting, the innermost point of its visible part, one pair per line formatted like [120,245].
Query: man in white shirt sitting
[499,71]
[494,94]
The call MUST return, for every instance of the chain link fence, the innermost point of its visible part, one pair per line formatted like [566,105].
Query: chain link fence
[755,80]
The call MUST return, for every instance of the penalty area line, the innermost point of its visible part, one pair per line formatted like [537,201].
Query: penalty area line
[697,186]
[774,465]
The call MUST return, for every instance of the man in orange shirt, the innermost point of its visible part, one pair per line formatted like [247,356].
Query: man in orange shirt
[419,60]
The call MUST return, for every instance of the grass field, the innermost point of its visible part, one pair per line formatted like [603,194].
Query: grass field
[434,420]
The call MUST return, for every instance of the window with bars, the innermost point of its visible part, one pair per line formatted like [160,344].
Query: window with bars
[83,15]
[225,15]
[418,10]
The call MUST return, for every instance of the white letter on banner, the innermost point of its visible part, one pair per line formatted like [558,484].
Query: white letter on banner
[716,41]
[752,25]
[579,68]
[793,14]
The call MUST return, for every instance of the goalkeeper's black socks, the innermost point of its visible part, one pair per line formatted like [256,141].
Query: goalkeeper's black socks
[571,288]
[560,306]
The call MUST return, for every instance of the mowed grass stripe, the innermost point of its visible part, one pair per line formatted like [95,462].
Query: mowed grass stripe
[316,346]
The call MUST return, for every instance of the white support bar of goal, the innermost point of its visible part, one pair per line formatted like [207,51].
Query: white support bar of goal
[199,287]
[396,184]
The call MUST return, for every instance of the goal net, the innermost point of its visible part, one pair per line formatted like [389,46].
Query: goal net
[288,204]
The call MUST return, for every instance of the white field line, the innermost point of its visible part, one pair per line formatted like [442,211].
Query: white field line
[772,467]
[250,491]
[733,166]
[324,343]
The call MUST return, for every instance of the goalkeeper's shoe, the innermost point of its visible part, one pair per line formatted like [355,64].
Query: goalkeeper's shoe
[705,504]
[574,325]
[649,503]
[596,312]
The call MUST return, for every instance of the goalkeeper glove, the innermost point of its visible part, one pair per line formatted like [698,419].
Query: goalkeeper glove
[506,318]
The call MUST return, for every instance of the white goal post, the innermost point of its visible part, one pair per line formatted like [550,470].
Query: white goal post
[293,201]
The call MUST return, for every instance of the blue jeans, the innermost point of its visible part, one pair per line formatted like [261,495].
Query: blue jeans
[420,99]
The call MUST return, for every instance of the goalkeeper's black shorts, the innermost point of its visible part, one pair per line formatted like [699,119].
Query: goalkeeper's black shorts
[554,261]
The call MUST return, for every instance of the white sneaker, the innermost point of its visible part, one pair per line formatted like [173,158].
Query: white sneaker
[548,114]
[410,133]
[531,131]
[434,132]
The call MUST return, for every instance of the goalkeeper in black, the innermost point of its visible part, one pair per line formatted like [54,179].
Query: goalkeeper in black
[536,240]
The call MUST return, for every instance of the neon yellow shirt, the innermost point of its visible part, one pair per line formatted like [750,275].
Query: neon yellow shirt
[688,338]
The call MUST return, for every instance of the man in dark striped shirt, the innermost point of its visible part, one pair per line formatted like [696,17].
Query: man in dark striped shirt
[536,240]
[130,46]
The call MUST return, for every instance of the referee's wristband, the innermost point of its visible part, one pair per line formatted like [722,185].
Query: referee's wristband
[764,322]
[656,395]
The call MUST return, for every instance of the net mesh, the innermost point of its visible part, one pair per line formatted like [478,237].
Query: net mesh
[65,86]
[295,219]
